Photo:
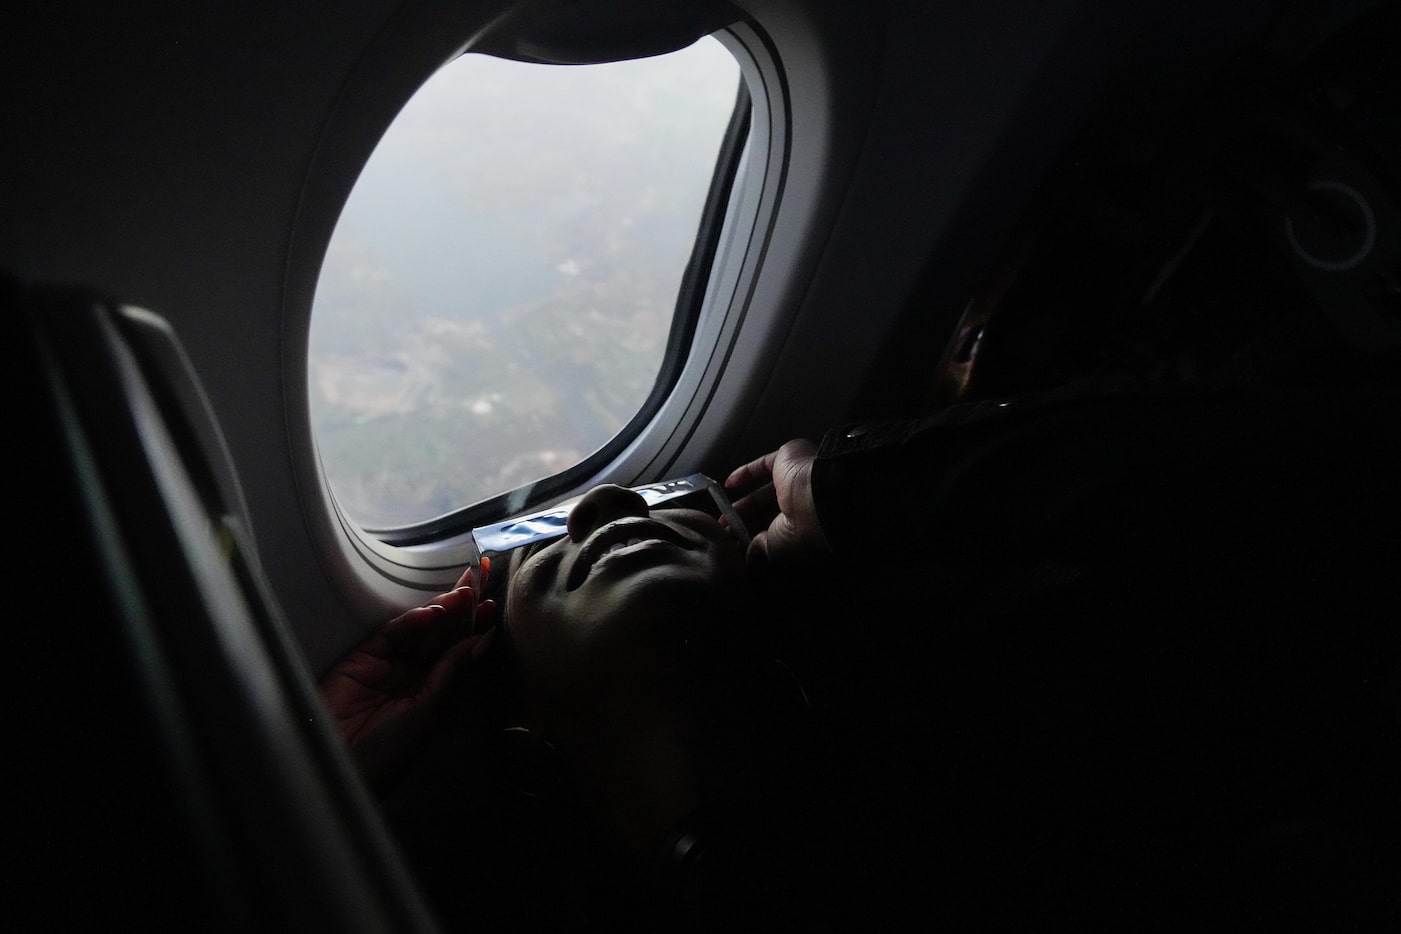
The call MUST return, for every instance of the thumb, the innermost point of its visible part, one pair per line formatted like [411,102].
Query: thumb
[775,546]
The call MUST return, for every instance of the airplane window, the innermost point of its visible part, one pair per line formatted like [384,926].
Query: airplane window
[497,295]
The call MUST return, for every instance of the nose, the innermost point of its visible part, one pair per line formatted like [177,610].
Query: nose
[602,505]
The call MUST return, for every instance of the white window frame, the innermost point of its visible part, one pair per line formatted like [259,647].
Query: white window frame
[400,574]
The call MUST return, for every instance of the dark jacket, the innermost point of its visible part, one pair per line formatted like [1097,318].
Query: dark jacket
[1123,657]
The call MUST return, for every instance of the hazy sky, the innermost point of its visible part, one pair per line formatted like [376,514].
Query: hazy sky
[507,193]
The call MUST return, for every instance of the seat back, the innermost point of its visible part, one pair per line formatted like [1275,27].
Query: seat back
[180,770]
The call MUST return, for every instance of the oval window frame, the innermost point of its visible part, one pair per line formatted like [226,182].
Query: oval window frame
[409,560]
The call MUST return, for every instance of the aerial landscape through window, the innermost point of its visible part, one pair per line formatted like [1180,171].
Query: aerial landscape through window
[496,298]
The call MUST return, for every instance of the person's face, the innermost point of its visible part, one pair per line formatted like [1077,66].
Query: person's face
[617,595]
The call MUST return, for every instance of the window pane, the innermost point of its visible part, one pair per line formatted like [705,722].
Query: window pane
[496,298]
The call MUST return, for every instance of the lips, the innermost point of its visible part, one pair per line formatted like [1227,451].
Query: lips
[617,536]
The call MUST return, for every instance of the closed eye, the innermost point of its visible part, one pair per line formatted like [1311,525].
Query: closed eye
[534,548]
[525,554]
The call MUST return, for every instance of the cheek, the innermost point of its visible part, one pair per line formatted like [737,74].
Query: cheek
[528,622]
[562,643]
[562,648]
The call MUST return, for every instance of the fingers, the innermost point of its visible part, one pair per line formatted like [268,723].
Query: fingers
[433,629]
[458,603]
[406,625]
[424,631]
[487,615]
[761,471]
[472,647]
[755,473]
[461,603]
[782,515]
[764,486]
[752,495]
[475,576]
[757,509]
[483,642]
[774,545]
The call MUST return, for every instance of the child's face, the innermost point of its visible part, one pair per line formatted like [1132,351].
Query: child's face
[623,587]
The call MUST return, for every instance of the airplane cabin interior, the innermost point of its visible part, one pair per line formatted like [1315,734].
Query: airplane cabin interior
[937,215]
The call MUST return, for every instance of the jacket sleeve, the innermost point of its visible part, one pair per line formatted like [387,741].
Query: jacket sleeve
[1123,621]
[985,482]
[1126,488]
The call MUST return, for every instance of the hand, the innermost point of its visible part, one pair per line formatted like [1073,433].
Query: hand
[780,513]
[384,692]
